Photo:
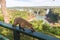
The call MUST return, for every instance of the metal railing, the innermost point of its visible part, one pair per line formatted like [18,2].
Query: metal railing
[17,31]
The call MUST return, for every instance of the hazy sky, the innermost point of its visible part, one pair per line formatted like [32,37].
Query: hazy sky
[13,3]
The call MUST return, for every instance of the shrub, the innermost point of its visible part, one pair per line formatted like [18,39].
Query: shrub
[46,27]
[55,31]
[1,18]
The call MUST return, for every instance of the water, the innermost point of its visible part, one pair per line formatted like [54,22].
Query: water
[38,17]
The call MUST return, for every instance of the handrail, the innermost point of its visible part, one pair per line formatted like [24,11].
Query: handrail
[37,35]
[3,38]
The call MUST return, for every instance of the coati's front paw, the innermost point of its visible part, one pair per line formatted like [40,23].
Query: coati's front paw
[13,25]
[32,30]
[23,29]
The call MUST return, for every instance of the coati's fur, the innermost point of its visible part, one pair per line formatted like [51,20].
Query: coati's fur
[22,23]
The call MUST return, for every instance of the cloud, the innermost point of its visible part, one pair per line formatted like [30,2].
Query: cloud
[11,3]
[18,3]
[23,0]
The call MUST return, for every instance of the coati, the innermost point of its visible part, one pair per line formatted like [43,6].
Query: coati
[22,23]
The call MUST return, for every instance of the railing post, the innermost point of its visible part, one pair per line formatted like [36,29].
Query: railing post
[16,35]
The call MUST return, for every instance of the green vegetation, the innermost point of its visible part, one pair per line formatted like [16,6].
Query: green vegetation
[1,16]
[38,24]
[56,14]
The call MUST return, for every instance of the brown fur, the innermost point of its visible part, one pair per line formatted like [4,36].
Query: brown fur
[22,23]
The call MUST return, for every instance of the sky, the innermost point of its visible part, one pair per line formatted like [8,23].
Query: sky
[28,3]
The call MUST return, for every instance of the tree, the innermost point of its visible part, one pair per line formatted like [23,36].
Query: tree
[4,11]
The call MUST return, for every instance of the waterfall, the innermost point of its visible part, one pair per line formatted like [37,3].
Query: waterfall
[38,17]
[47,11]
